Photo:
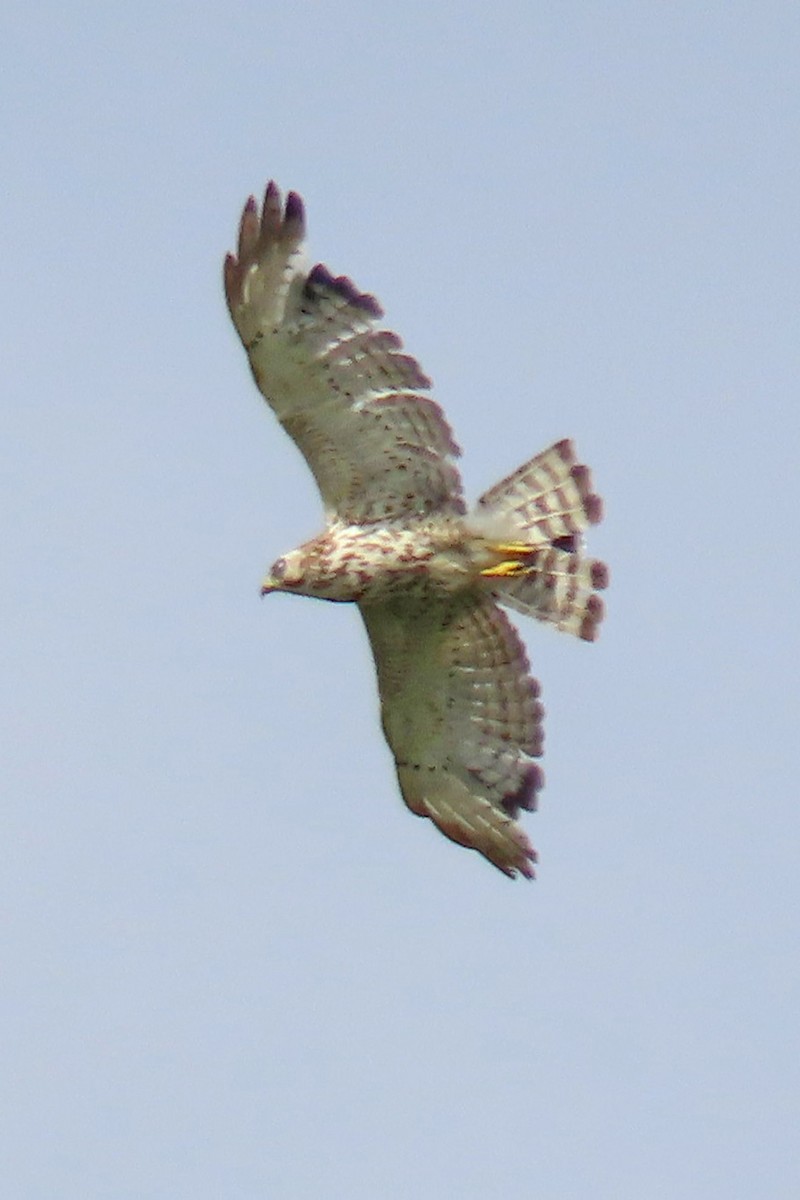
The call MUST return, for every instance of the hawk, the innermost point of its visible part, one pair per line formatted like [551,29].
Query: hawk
[459,708]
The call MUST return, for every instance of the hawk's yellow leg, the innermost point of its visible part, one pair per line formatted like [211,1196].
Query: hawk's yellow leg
[524,548]
[511,566]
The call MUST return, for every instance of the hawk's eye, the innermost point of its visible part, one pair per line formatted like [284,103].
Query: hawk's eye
[278,569]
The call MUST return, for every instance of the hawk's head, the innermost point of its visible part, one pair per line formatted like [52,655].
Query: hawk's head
[287,574]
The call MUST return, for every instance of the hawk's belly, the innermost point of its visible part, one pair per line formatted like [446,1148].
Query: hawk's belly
[354,563]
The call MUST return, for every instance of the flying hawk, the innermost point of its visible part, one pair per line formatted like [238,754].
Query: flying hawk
[459,708]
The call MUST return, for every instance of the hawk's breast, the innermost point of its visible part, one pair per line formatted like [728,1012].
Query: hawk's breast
[370,563]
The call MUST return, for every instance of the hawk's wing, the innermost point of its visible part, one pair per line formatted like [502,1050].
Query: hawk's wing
[340,386]
[461,714]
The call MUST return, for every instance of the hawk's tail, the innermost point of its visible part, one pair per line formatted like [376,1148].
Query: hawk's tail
[534,519]
[556,586]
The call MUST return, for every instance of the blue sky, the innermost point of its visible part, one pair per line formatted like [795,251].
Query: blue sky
[233,964]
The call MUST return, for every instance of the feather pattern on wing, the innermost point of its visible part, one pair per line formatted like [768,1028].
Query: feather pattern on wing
[342,388]
[461,714]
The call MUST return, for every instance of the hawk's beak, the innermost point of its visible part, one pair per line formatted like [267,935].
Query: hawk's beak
[267,587]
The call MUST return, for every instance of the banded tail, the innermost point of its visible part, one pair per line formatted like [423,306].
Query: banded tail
[542,510]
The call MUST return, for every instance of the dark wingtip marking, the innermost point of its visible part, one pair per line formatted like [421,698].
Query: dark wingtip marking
[523,861]
[526,796]
[385,339]
[526,866]
[248,229]
[566,450]
[368,304]
[271,217]
[416,376]
[568,542]
[346,288]
[294,217]
[294,207]
[320,277]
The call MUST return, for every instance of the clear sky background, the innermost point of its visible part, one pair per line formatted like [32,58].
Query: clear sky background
[232,965]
